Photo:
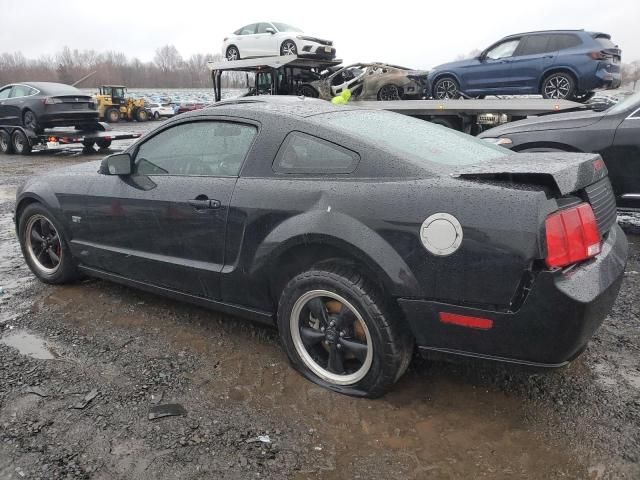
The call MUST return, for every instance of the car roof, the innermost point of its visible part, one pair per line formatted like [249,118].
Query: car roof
[280,105]
[536,32]
[49,87]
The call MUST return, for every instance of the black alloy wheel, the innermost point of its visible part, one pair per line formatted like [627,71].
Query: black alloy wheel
[389,92]
[446,89]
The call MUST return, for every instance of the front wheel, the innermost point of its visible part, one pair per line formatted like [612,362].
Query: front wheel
[339,332]
[288,47]
[389,92]
[558,86]
[446,88]
[141,115]
[44,246]
[232,54]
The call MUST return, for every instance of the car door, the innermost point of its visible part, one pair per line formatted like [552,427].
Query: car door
[533,56]
[165,223]
[15,103]
[623,161]
[266,42]
[4,98]
[247,41]
[493,72]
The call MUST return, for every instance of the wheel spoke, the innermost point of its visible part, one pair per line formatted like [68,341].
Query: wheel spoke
[311,336]
[319,310]
[36,236]
[53,256]
[345,317]
[359,350]
[44,226]
[335,360]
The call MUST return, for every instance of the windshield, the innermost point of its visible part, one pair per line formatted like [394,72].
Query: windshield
[630,102]
[283,27]
[416,140]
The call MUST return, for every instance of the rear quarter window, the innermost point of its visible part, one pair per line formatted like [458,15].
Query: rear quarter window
[563,41]
[302,153]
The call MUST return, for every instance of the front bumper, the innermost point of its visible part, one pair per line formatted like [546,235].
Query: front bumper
[309,48]
[552,327]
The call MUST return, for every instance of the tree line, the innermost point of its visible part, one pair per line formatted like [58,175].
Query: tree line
[167,70]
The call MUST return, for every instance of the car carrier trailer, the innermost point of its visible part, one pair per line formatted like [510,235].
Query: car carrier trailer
[466,115]
[20,140]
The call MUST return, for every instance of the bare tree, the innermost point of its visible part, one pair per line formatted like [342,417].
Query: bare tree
[168,58]
[631,73]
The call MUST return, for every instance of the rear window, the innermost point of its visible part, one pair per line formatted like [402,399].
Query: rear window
[60,89]
[605,42]
[561,41]
[416,140]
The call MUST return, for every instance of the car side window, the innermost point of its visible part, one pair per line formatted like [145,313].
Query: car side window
[503,50]
[561,41]
[533,45]
[209,148]
[302,153]
[248,30]
[4,93]
[262,27]
[20,91]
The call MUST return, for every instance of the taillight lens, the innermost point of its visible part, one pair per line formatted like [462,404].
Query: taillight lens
[51,101]
[572,236]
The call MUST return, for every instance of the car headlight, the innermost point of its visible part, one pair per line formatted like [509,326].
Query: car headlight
[502,141]
[303,37]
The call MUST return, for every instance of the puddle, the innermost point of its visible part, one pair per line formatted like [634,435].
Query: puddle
[29,344]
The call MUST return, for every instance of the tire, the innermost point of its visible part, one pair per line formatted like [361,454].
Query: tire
[88,143]
[308,91]
[542,149]
[112,115]
[379,346]
[20,143]
[156,116]
[30,121]
[103,144]
[5,142]
[41,255]
[389,92]
[141,115]
[288,47]
[446,88]
[558,86]
[232,53]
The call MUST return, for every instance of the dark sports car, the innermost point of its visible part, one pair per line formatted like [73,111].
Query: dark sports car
[357,241]
[613,133]
[40,105]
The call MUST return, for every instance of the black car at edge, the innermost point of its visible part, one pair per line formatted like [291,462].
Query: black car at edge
[613,133]
[359,233]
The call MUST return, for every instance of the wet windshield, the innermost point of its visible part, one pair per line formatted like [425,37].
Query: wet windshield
[632,101]
[417,140]
[283,27]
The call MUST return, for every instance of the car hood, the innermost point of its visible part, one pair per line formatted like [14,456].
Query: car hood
[554,121]
[457,64]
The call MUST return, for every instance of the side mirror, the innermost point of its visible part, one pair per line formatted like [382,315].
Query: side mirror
[116,164]
[270,30]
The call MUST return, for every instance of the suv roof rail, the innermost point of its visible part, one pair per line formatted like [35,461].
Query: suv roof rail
[559,30]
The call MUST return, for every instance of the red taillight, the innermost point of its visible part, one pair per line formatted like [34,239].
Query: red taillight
[466,321]
[597,55]
[51,101]
[572,236]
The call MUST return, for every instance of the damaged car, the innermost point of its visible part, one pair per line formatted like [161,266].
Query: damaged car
[359,243]
[368,81]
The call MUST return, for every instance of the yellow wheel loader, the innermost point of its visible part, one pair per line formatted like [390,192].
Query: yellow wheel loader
[114,105]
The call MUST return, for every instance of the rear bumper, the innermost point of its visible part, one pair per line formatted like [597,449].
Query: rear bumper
[607,77]
[70,118]
[554,324]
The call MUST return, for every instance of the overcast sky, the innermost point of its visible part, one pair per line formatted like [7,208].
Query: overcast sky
[418,34]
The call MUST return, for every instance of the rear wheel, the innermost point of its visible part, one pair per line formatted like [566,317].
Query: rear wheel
[389,92]
[288,47]
[103,144]
[156,116]
[446,88]
[559,86]
[112,115]
[30,121]
[340,333]
[20,143]
[5,142]
[232,53]
[88,143]
[44,246]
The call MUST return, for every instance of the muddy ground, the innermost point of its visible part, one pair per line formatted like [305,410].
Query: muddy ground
[82,366]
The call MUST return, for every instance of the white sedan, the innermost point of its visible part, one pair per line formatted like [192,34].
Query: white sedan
[160,110]
[274,38]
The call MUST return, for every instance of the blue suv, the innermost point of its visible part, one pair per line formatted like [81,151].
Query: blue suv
[564,64]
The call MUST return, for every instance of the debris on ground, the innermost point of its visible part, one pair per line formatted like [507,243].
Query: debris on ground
[86,400]
[166,410]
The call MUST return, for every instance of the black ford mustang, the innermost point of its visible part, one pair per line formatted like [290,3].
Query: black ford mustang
[360,233]
[613,133]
